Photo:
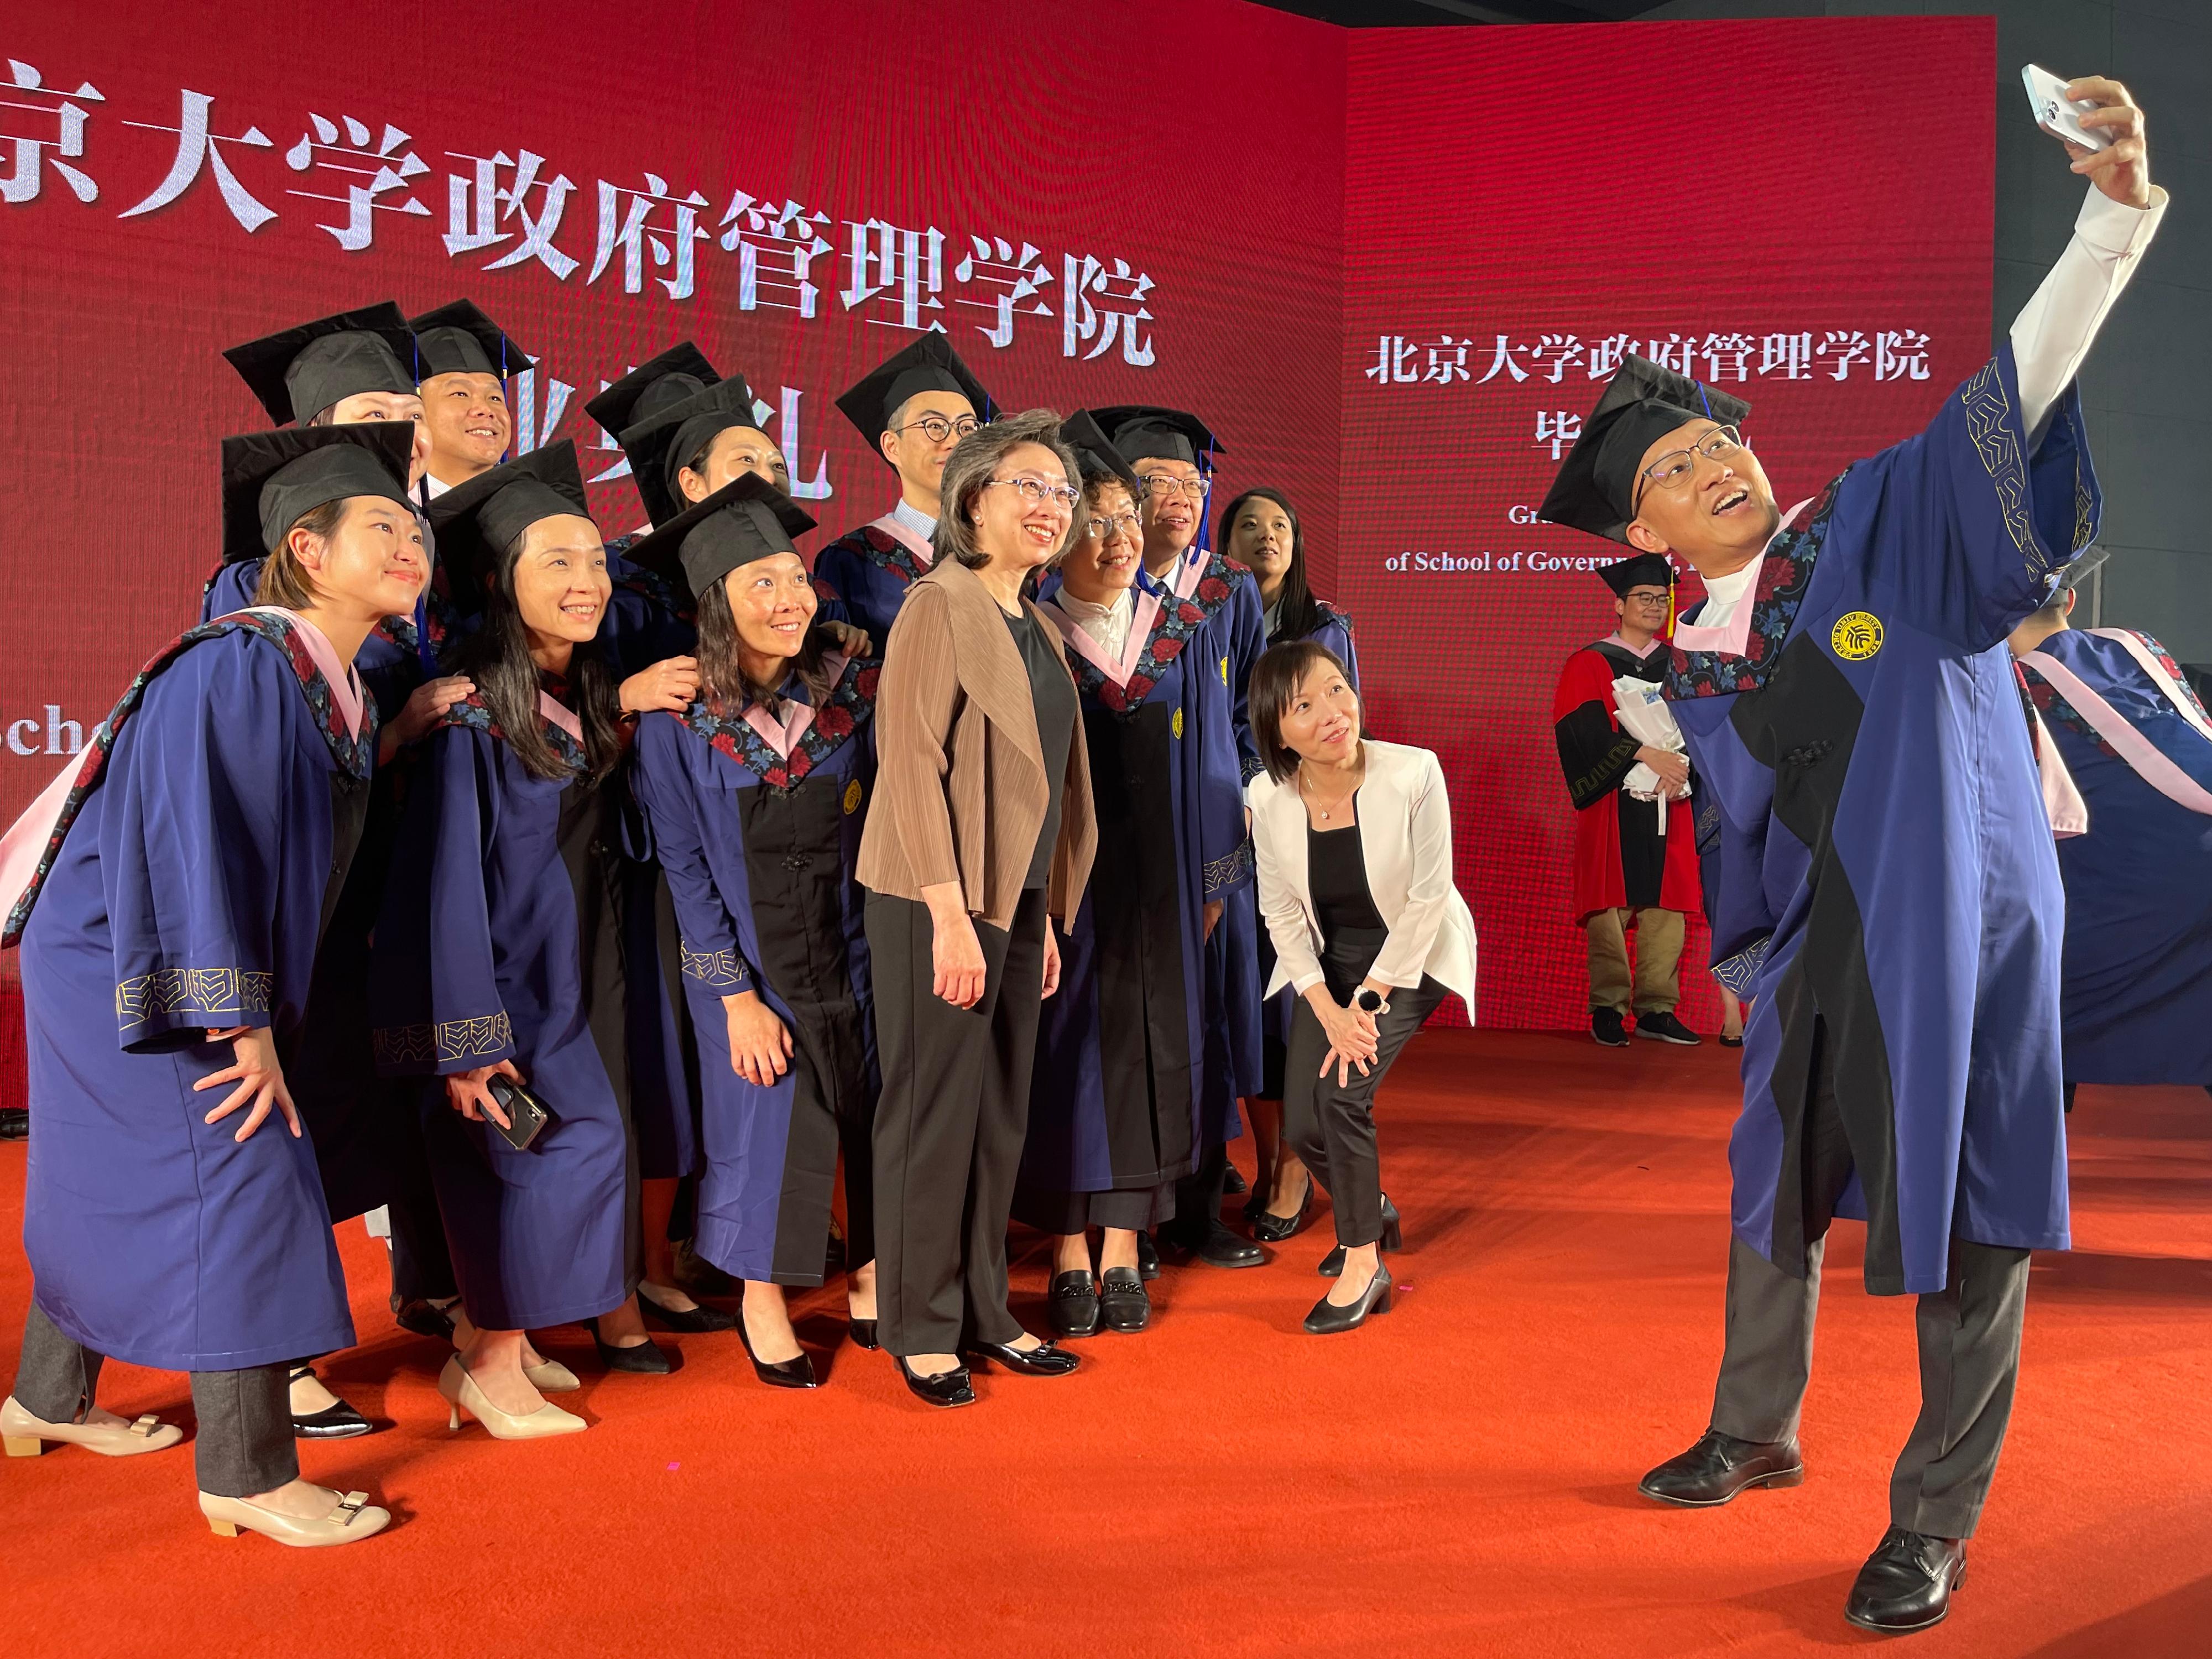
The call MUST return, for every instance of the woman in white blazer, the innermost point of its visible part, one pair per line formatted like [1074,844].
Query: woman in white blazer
[1355,856]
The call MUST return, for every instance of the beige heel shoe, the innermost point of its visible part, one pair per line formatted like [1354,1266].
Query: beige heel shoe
[462,1394]
[552,1376]
[104,1432]
[352,1518]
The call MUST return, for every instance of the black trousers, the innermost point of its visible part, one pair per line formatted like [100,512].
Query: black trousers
[950,1126]
[1968,1333]
[1331,1125]
[243,1443]
[1197,1204]
[422,1266]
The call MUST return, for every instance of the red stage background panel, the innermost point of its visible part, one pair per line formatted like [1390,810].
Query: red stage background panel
[1804,207]
[1224,212]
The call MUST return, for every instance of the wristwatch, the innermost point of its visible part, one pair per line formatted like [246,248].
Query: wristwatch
[1369,1002]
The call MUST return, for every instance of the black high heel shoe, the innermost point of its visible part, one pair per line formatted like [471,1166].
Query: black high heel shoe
[1327,1319]
[863,1333]
[951,1388]
[686,1322]
[777,1374]
[1393,1238]
[335,1421]
[1046,1359]
[646,1359]
[1271,1229]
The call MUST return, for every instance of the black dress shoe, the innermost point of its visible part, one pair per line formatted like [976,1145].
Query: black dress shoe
[864,1334]
[952,1387]
[425,1319]
[1219,1247]
[647,1359]
[699,1276]
[688,1321]
[1665,1028]
[1327,1319]
[1046,1359]
[1606,1026]
[1719,1467]
[335,1421]
[1906,1582]
[1233,1181]
[1393,1238]
[1074,1303]
[15,1123]
[1123,1301]
[778,1373]
[1148,1256]
[1271,1229]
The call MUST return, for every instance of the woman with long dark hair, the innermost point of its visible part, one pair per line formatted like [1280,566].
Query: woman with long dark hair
[497,954]
[1116,1103]
[756,795]
[1261,530]
[982,829]
[170,890]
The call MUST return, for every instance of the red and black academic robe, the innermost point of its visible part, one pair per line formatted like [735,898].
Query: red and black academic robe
[1621,861]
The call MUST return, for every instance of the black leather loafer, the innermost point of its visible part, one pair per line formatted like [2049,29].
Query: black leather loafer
[952,1387]
[1719,1467]
[1123,1301]
[1046,1359]
[646,1359]
[1906,1582]
[1074,1303]
[685,1321]
[1219,1247]
[1148,1256]
[1327,1319]
[335,1421]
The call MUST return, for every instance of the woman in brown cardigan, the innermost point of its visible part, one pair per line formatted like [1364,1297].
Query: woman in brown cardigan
[980,831]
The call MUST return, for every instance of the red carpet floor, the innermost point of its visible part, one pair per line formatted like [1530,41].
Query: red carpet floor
[1455,1479]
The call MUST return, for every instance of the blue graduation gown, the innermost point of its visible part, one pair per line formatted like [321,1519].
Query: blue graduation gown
[1118,1102]
[190,878]
[499,940]
[862,577]
[2136,988]
[1334,633]
[1886,869]
[759,852]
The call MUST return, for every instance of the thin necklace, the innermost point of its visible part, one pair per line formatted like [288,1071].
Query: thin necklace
[1358,773]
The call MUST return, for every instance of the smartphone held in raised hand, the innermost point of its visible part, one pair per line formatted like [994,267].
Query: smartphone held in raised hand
[2059,115]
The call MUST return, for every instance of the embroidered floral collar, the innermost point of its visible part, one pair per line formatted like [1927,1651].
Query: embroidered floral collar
[1173,624]
[849,706]
[1784,575]
[565,739]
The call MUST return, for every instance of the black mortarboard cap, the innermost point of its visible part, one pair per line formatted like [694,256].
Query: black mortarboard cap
[747,519]
[930,364]
[271,480]
[1595,488]
[1645,570]
[1095,452]
[1141,432]
[661,445]
[460,339]
[298,373]
[677,373]
[475,522]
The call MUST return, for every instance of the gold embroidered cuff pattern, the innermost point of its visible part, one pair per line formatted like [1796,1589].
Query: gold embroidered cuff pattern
[205,996]
[485,1035]
[720,969]
[1228,870]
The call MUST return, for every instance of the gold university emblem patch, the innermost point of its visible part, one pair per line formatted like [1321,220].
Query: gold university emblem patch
[1856,635]
[852,797]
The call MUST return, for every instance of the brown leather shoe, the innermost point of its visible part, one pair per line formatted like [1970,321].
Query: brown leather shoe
[1719,1467]
[1906,1582]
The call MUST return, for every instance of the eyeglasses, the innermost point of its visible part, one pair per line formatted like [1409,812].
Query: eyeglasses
[1674,466]
[1161,485]
[937,429]
[1103,529]
[1036,491]
[1645,599]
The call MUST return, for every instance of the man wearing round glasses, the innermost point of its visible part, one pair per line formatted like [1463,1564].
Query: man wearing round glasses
[1636,858]
[914,409]
[1886,891]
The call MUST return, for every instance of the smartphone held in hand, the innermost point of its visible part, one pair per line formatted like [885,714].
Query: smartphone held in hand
[2059,115]
[526,1114]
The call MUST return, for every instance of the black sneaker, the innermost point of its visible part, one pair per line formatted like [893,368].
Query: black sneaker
[1606,1027]
[1665,1028]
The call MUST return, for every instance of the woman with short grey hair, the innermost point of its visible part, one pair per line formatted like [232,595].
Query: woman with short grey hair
[981,824]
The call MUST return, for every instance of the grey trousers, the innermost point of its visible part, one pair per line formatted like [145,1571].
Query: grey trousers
[1969,1336]
[243,1443]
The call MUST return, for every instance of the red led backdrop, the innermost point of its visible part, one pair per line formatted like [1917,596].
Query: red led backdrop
[1316,239]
